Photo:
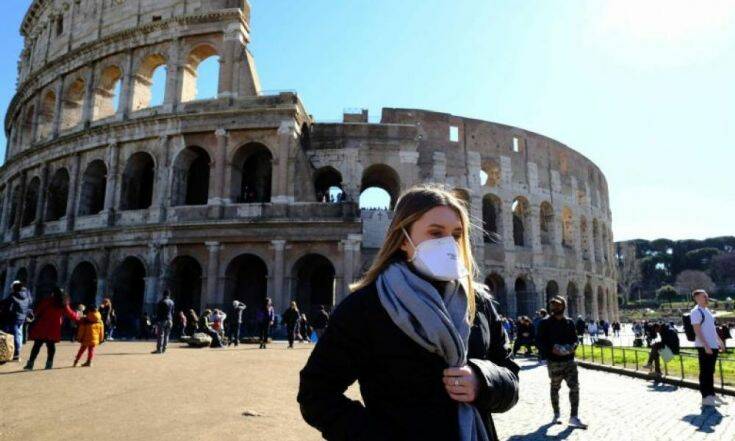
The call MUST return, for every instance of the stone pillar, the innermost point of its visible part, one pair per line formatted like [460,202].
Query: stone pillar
[408,169]
[88,100]
[19,207]
[348,261]
[279,295]
[111,184]
[212,296]
[506,218]
[8,196]
[151,282]
[534,218]
[41,201]
[126,90]
[161,197]
[511,299]
[9,278]
[172,94]
[595,313]
[580,303]
[558,229]
[34,126]
[103,288]
[282,187]
[57,107]
[232,43]
[71,205]
[218,197]
[64,271]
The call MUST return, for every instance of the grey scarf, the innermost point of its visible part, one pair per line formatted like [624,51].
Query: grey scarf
[437,324]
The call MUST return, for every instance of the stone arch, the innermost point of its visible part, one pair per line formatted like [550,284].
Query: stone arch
[525,296]
[83,283]
[314,283]
[552,290]
[94,187]
[196,57]
[26,128]
[252,174]
[72,104]
[137,182]
[572,300]
[191,177]
[567,230]
[16,202]
[584,233]
[328,185]
[184,280]
[546,223]
[521,216]
[492,218]
[143,81]
[384,177]
[496,284]
[46,115]
[57,195]
[30,200]
[246,279]
[491,168]
[48,279]
[588,301]
[128,294]
[107,93]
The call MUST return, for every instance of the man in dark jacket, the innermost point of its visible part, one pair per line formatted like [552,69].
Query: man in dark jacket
[235,322]
[581,329]
[291,318]
[164,321]
[558,342]
[13,313]
[320,322]
[669,339]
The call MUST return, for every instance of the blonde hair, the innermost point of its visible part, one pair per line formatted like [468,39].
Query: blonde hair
[410,207]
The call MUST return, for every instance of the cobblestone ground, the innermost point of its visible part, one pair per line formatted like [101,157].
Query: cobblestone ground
[202,394]
[616,408]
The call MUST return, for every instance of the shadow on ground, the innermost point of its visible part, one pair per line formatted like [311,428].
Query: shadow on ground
[706,420]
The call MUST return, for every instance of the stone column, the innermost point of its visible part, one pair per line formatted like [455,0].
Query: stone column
[408,169]
[19,207]
[511,298]
[280,296]
[348,262]
[88,99]
[151,282]
[595,313]
[506,218]
[558,229]
[282,188]
[57,107]
[232,43]
[218,197]
[8,196]
[212,296]
[126,90]
[103,289]
[9,278]
[71,205]
[36,114]
[163,179]
[172,94]
[534,218]
[41,201]
[111,184]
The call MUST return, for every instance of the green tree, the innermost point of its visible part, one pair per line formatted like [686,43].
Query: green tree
[666,293]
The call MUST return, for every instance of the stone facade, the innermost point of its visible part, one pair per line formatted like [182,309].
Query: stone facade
[108,193]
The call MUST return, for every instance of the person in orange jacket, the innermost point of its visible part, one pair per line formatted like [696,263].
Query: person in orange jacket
[90,335]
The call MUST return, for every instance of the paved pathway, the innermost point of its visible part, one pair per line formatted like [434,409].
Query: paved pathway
[616,408]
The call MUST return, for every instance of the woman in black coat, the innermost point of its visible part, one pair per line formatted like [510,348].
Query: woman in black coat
[409,393]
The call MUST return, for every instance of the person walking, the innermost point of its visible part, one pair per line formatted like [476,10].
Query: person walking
[320,322]
[15,309]
[304,329]
[708,345]
[109,318]
[46,328]
[266,316]
[418,334]
[164,321]
[90,335]
[592,331]
[238,308]
[581,327]
[558,343]
[182,324]
[291,318]
[669,339]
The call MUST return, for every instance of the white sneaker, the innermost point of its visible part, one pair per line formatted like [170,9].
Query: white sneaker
[708,401]
[556,419]
[576,422]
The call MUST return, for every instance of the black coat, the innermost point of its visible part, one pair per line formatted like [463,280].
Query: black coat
[400,382]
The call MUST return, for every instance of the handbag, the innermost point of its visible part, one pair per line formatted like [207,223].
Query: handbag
[667,354]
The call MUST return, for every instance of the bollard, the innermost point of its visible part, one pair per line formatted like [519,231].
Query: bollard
[602,355]
[592,352]
[636,359]
[612,354]
[722,376]
[681,363]
[625,365]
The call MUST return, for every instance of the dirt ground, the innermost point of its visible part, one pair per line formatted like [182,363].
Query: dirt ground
[131,394]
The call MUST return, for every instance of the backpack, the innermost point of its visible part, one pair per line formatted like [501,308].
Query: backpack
[688,328]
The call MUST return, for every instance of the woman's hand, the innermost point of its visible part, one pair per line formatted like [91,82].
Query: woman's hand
[461,384]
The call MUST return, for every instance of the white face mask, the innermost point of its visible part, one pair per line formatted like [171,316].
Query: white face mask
[438,258]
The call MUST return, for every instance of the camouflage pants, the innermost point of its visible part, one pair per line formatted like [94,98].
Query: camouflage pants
[564,371]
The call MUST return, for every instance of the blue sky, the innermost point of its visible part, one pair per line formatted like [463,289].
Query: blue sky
[644,89]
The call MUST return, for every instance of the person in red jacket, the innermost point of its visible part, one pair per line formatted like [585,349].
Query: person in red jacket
[46,328]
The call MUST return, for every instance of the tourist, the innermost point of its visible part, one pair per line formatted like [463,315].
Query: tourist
[14,311]
[46,328]
[73,324]
[109,319]
[90,335]
[605,327]
[182,323]
[525,335]
[320,322]
[723,331]
[669,339]
[235,323]
[218,321]
[541,314]
[304,329]
[708,346]
[291,319]
[558,343]
[265,317]
[192,322]
[581,328]
[592,331]
[164,321]
[403,334]
[205,326]
[616,328]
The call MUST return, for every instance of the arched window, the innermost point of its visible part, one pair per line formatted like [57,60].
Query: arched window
[201,74]
[546,220]
[94,186]
[30,201]
[150,83]
[137,182]
[377,181]
[490,173]
[191,177]
[26,130]
[520,221]
[252,174]
[72,105]
[57,196]
[107,94]
[46,116]
[328,185]
[491,218]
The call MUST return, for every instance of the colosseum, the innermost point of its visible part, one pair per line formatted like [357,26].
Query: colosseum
[107,191]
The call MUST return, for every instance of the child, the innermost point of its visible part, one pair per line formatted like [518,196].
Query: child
[90,335]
